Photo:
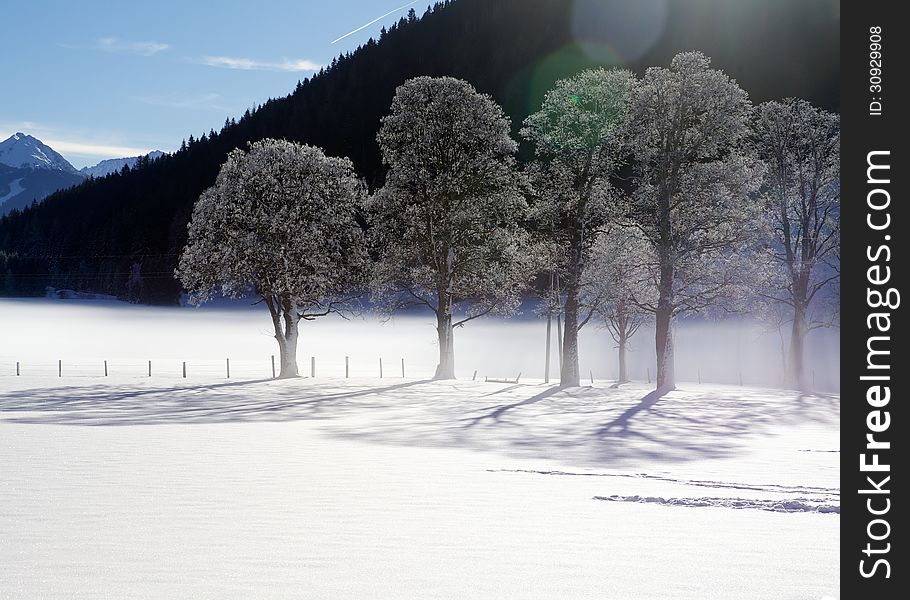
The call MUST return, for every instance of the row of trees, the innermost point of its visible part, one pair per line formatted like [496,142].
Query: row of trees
[654,196]
[91,237]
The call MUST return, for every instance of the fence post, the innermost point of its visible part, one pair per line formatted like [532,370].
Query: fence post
[649,374]
[380,367]
[227,365]
[59,368]
[699,375]
[347,366]
[312,366]
[105,368]
[402,370]
[592,377]
[150,368]
[273,366]
[17,368]
[184,369]
[473,377]
[546,369]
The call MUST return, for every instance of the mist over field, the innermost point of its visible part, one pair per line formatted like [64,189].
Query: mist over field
[84,333]
[121,485]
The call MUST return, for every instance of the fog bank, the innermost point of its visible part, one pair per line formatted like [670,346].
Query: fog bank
[82,334]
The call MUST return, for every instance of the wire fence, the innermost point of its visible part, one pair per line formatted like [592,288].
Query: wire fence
[209,369]
[228,368]
[334,367]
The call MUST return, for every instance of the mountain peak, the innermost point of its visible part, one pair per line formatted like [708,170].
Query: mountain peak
[112,165]
[31,170]
[24,151]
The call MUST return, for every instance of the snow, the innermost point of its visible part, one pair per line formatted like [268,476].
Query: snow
[24,151]
[113,165]
[131,486]
[15,186]
[788,505]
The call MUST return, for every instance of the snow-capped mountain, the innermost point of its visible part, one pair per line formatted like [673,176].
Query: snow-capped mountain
[30,170]
[23,151]
[112,165]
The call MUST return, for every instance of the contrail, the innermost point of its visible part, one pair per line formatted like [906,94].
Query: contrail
[373,21]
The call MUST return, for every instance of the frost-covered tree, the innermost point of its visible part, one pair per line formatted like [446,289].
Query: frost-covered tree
[278,224]
[619,279]
[447,222]
[801,146]
[693,195]
[578,141]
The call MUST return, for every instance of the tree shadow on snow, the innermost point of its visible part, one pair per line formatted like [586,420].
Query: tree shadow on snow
[594,426]
[236,401]
[620,424]
[495,412]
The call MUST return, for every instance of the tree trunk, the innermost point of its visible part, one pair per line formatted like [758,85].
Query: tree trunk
[546,373]
[444,330]
[623,376]
[569,372]
[285,322]
[546,370]
[622,329]
[663,338]
[666,377]
[569,375]
[559,323]
[287,347]
[797,349]
[446,367]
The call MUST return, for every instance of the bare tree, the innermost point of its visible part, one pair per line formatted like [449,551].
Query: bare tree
[278,224]
[801,146]
[617,280]
[447,222]
[693,197]
[578,141]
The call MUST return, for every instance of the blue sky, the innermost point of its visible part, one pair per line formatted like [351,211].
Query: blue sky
[99,79]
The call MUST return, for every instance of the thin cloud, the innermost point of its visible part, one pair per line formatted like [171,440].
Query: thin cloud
[73,143]
[251,64]
[365,25]
[203,101]
[112,44]
[93,149]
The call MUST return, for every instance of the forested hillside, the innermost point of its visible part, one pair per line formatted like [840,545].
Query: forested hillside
[122,234]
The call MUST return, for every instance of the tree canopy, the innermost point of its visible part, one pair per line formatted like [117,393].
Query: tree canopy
[693,196]
[279,224]
[447,222]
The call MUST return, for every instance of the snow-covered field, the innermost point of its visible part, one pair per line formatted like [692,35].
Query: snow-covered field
[163,487]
